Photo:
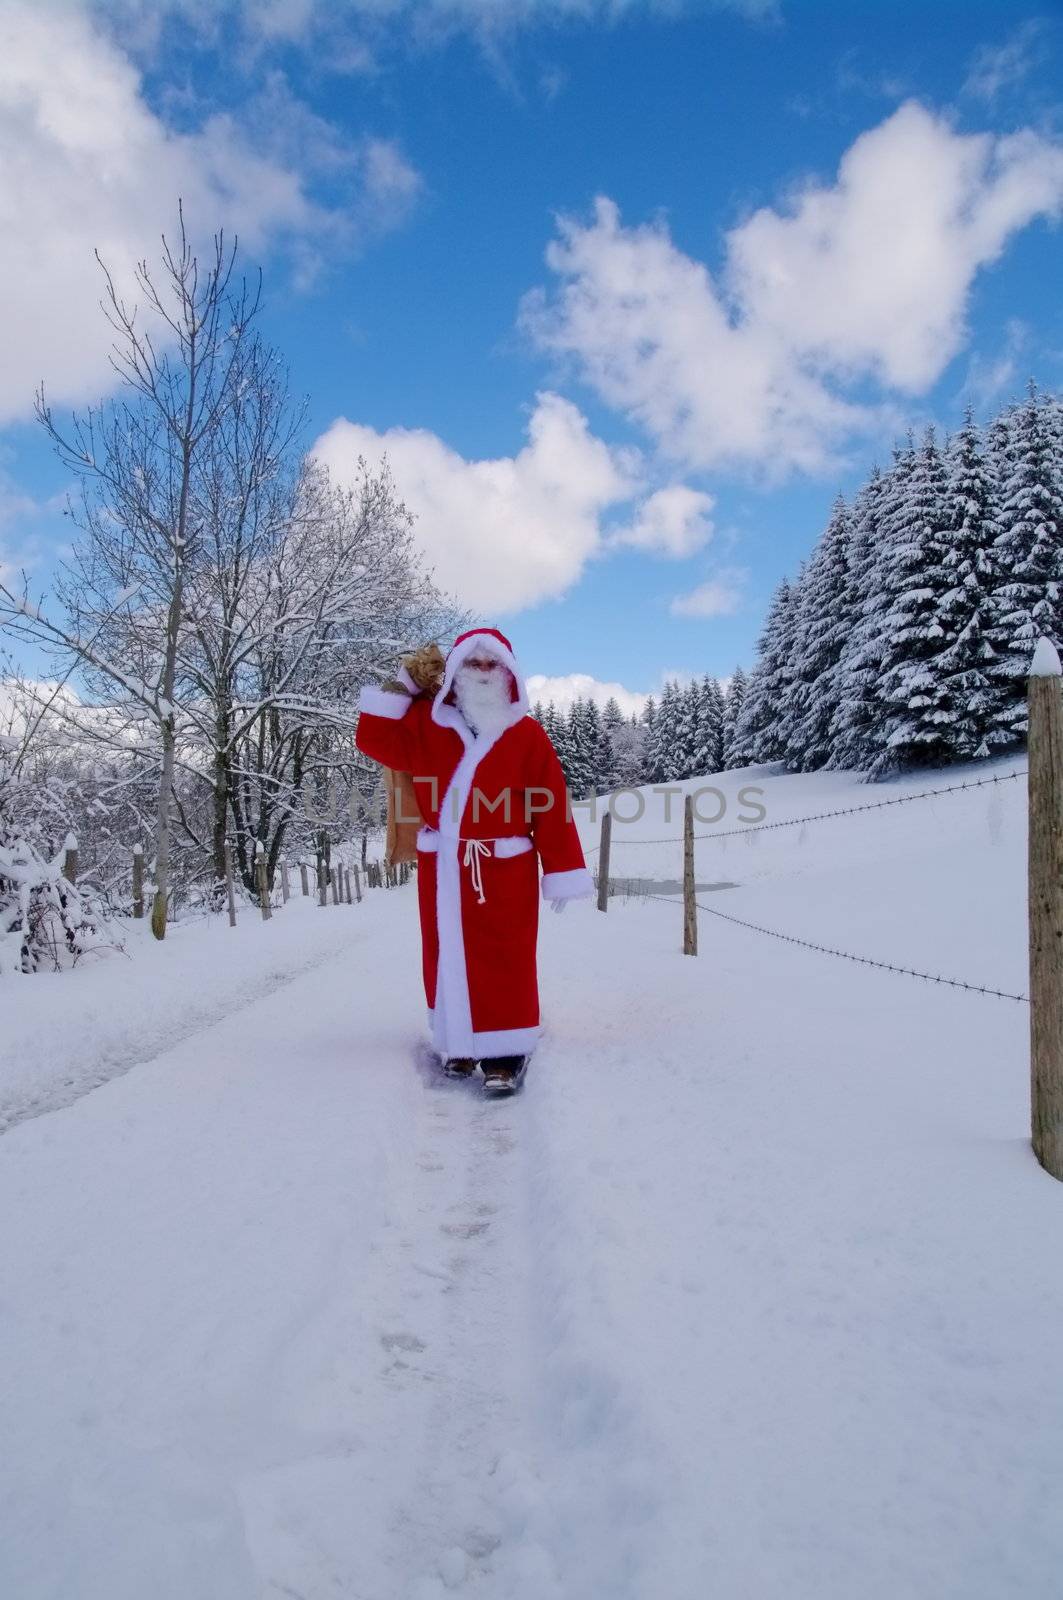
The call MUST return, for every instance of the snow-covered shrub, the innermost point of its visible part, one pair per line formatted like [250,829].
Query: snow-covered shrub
[45,921]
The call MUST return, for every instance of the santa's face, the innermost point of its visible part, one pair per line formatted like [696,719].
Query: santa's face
[483,688]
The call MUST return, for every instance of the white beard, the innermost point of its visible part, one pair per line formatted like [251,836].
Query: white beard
[485,705]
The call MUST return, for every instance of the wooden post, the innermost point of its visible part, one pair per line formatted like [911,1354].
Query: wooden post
[1045,877]
[322,883]
[263,886]
[284,879]
[70,859]
[230,886]
[357,886]
[690,909]
[347,885]
[603,860]
[335,886]
[138,880]
[304,880]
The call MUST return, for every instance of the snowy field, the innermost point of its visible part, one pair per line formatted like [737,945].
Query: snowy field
[751,1294]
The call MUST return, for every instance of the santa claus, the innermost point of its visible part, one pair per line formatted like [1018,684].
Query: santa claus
[492,797]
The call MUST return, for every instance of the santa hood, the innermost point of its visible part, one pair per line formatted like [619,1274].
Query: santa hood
[479,641]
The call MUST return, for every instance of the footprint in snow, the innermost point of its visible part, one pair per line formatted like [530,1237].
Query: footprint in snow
[402,1341]
[464,1230]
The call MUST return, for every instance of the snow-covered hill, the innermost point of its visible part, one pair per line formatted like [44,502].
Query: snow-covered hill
[748,1295]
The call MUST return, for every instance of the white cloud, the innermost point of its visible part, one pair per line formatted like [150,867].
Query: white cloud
[501,534]
[673,522]
[566,689]
[866,278]
[717,597]
[88,164]
[995,68]
[302,22]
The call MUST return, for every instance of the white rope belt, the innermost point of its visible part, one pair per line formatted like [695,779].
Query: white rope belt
[475,850]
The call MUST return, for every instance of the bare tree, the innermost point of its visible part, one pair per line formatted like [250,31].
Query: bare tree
[337,587]
[179,355]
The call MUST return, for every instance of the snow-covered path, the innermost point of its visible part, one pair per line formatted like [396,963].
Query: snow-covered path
[745,1296]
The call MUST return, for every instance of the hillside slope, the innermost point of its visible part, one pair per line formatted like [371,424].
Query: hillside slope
[745,1295]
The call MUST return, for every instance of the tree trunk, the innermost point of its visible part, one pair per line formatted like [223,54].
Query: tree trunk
[220,807]
[162,831]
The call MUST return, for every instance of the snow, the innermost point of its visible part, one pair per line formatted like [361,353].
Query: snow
[1045,663]
[748,1294]
[66,1033]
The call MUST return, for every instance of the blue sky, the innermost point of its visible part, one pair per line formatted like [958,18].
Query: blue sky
[627,291]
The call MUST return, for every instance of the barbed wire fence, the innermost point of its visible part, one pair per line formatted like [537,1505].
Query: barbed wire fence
[691,903]
[840,811]
[1044,776]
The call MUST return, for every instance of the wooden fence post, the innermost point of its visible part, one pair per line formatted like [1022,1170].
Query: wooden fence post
[138,880]
[603,859]
[304,880]
[263,885]
[335,886]
[1045,880]
[690,909]
[357,886]
[284,879]
[70,859]
[230,886]
[347,885]
[322,883]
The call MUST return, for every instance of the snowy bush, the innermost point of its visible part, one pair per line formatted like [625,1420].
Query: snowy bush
[45,921]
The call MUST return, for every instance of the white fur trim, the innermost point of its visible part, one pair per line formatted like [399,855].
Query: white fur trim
[461,652]
[504,1042]
[512,845]
[383,702]
[452,1027]
[452,1017]
[498,1042]
[403,676]
[571,885]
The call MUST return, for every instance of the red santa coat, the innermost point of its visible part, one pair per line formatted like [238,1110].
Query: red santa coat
[494,806]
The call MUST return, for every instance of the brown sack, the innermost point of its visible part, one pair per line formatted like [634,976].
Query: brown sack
[425,667]
[402,804]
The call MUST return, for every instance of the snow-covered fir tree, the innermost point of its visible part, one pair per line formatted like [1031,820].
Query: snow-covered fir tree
[707,754]
[913,728]
[666,758]
[913,647]
[1029,551]
[756,731]
[736,694]
[855,708]
[971,695]
[821,629]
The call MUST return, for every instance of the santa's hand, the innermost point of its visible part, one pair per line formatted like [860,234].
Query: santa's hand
[558,905]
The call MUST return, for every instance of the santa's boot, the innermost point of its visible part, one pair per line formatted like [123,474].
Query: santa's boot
[459,1067]
[503,1074]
